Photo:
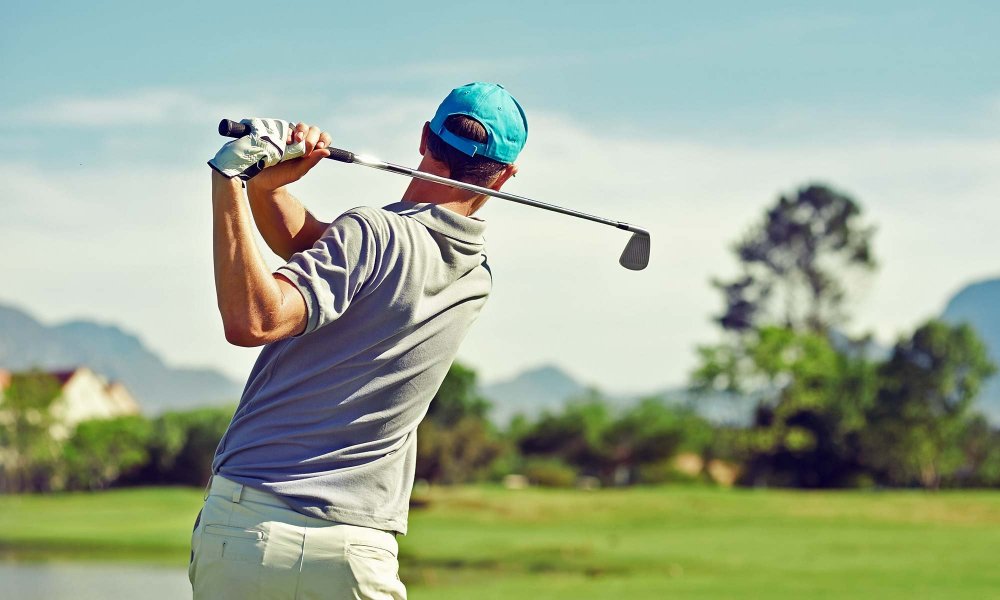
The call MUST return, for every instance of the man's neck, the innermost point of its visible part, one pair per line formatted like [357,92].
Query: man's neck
[454,199]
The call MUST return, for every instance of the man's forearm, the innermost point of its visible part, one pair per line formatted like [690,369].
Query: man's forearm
[284,223]
[249,297]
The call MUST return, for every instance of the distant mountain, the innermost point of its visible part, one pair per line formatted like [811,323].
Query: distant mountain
[25,343]
[978,305]
[549,388]
[531,393]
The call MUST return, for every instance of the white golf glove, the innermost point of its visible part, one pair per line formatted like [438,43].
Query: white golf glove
[239,158]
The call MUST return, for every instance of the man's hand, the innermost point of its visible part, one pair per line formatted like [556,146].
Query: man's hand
[314,144]
[283,222]
[265,143]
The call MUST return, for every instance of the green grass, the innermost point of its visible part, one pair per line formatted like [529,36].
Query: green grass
[149,525]
[642,543]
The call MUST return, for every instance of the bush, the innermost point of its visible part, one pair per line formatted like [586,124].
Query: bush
[100,451]
[182,446]
[461,453]
[664,471]
[455,442]
[550,473]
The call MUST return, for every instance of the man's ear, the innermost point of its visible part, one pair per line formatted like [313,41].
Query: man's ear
[508,172]
[423,137]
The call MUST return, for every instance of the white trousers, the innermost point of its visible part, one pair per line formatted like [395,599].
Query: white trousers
[249,544]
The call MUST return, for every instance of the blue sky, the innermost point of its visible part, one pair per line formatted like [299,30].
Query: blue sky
[687,118]
[655,67]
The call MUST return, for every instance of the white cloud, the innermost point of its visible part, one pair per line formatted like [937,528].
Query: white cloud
[141,107]
[131,243]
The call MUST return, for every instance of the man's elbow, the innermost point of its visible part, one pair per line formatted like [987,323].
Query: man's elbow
[250,326]
[238,336]
[242,331]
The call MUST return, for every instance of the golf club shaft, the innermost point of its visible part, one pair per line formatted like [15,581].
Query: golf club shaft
[236,129]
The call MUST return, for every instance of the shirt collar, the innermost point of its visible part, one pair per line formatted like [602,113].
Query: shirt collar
[447,222]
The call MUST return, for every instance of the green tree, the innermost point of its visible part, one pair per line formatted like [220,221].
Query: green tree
[614,447]
[458,397]
[812,400]
[102,450]
[455,442]
[794,262]
[182,446]
[781,350]
[30,454]
[980,446]
[651,433]
[460,453]
[923,406]
[575,436]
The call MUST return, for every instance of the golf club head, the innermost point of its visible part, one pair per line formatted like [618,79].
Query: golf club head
[635,257]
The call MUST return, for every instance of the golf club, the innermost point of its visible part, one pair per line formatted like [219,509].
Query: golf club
[635,256]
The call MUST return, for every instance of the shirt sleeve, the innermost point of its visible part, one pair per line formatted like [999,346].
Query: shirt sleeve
[333,272]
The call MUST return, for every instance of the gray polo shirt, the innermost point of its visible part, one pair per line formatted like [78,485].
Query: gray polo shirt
[328,419]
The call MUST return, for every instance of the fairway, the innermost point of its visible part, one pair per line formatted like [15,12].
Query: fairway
[487,542]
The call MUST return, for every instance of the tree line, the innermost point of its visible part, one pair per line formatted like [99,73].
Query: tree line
[829,410]
[839,422]
[457,443]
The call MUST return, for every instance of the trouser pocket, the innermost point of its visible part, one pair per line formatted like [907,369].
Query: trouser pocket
[227,558]
[375,571]
[234,543]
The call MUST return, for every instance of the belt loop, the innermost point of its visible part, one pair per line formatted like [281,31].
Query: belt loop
[208,487]
[238,493]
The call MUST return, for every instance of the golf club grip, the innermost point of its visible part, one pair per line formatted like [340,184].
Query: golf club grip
[235,129]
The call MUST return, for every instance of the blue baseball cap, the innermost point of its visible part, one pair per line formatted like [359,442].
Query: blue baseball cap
[497,111]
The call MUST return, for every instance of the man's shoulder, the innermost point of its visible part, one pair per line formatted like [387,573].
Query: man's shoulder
[368,218]
[376,217]
[369,213]
[381,221]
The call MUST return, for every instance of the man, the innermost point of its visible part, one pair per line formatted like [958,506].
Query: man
[313,477]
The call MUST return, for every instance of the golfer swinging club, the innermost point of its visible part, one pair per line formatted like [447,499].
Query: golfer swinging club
[312,479]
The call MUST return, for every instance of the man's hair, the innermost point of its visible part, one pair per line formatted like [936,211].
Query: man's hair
[476,170]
